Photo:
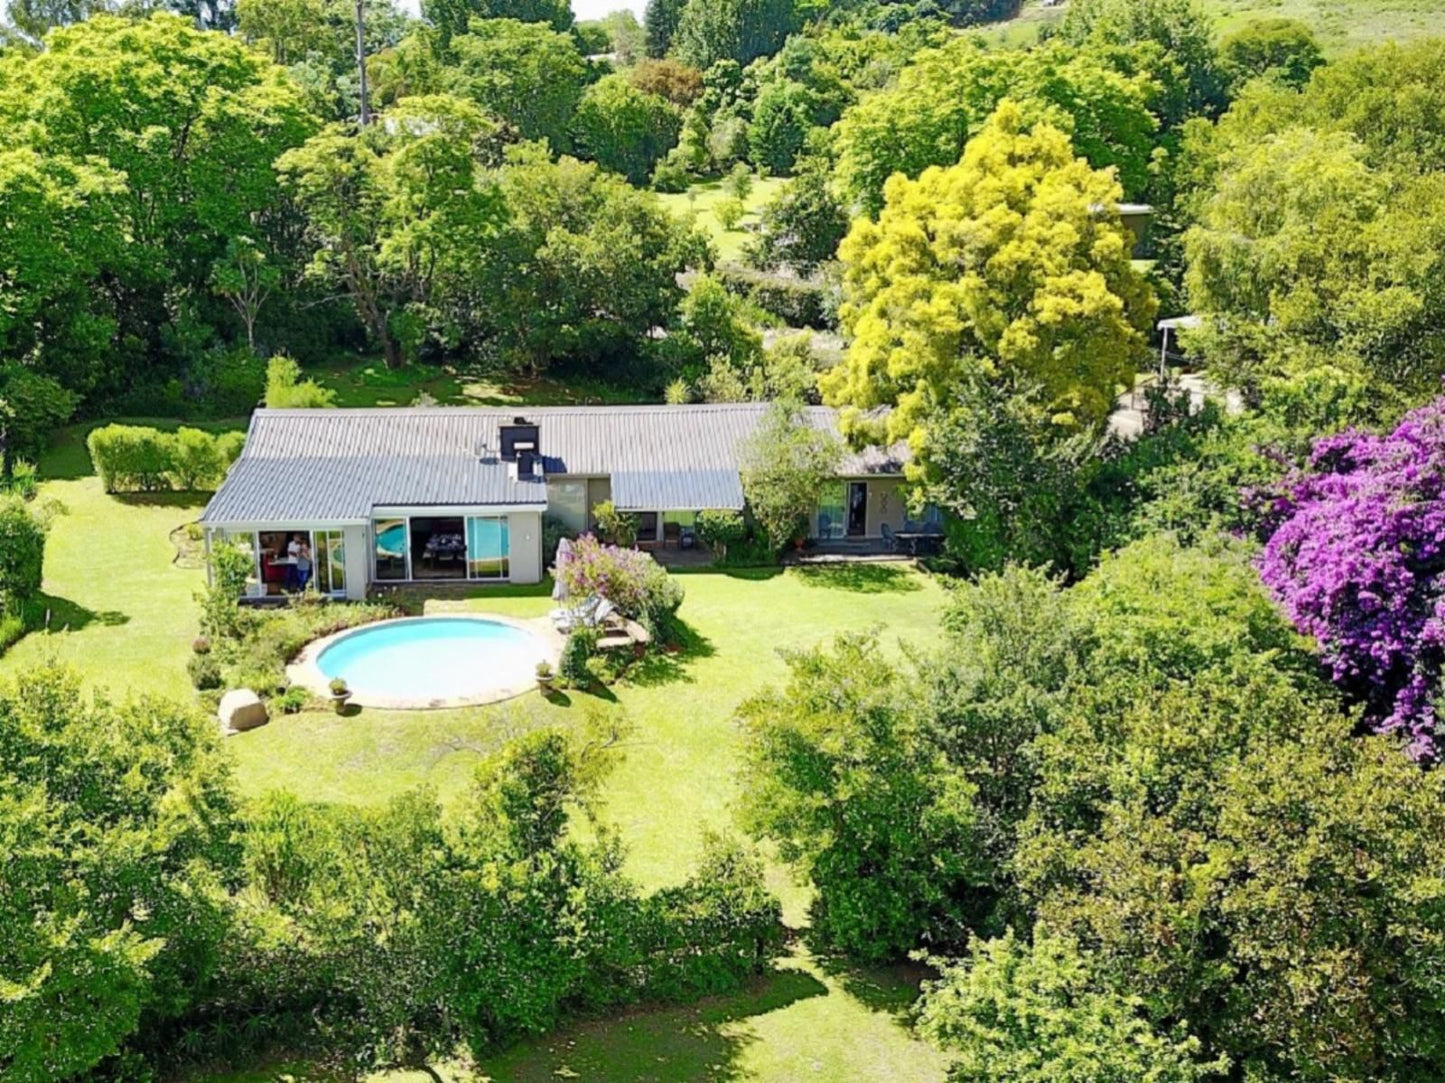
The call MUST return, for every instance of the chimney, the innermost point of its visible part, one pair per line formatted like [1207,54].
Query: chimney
[521,438]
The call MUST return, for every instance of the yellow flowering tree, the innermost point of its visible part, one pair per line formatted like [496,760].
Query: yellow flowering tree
[1007,274]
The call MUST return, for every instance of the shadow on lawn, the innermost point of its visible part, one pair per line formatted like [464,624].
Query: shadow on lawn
[667,1045]
[63,615]
[666,665]
[859,578]
[891,990]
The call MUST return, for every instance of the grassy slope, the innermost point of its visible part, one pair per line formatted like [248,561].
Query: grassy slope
[702,199]
[1340,25]
[125,616]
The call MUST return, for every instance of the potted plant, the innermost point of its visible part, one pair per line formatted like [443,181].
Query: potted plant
[340,694]
[546,679]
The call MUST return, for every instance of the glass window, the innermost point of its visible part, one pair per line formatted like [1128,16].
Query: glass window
[832,518]
[488,548]
[391,545]
[567,502]
[245,541]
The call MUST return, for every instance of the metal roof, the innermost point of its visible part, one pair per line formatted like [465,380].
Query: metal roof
[337,465]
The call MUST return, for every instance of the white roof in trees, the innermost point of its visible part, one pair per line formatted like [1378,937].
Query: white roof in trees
[339,465]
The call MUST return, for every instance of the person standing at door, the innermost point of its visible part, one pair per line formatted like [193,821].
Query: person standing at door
[303,566]
[293,552]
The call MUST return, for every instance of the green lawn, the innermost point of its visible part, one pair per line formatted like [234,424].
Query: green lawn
[1340,25]
[366,381]
[702,199]
[124,614]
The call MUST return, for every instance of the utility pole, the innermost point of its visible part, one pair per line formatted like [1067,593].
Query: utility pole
[361,60]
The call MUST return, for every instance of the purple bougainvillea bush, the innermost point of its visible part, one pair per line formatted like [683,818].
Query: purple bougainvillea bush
[1358,562]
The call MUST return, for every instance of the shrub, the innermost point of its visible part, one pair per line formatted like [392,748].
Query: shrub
[798,302]
[293,700]
[131,458]
[201,645]
[720,529]
[786,463]
[577,651]
[631,580]
[22,554]
[730,212]
[286,390]
[205,672]
[23,481]
[617,526]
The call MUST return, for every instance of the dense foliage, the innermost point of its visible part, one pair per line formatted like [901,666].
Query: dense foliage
[1135,767]
[1008,271]
[786,462]
[143,909]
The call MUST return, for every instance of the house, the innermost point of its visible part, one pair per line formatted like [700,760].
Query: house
[385,496]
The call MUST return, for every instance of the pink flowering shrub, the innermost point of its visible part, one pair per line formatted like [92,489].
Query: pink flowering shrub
[1358,562]
[630,579]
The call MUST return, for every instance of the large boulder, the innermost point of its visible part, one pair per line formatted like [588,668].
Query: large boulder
[241,710]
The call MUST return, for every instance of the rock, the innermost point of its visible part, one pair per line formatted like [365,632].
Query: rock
[241,710]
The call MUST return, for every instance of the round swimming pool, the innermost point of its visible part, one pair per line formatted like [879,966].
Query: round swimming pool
[432,661]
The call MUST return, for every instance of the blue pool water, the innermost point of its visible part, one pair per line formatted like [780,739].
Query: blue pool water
[433,658]
[392,541]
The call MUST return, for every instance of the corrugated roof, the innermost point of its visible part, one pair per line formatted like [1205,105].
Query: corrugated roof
[340,464]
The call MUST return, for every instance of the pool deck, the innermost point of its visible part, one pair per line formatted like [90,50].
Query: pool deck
[306,673]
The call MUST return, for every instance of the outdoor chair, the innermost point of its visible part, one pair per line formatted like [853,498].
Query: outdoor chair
[890,539]
[564,619]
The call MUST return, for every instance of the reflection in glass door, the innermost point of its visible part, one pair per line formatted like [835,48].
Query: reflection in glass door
[331,562]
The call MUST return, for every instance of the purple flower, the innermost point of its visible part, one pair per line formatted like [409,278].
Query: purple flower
[1358,562]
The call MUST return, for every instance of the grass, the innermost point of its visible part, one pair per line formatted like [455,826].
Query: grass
[1339,25]
[701,200]
[124,614]
[366,381]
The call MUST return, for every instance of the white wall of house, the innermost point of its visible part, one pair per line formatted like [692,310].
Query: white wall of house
[524,530]
[358,561]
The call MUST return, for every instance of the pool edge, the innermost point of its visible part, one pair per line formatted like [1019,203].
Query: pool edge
[304,671]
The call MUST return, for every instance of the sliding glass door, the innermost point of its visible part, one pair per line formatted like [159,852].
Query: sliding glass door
[488,548]
[832,521]
[331,562]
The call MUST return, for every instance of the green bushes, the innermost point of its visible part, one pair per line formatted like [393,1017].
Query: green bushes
[133,458]
[22,554]
[577,651]
[286,390]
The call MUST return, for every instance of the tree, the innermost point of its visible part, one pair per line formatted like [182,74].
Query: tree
[290,28]
[1009,271]
[786,462]
[670,79]
[720,529]
[739,30]
[1303,249]
[624,129]
[1355,561]
[452,18]
[403,215]
[625,35]
[32,407]
[1180,29]
[1284,48]
[527,74]
[713,327]
[36,18]
[120,831]
[661,24]
[782,118]
[1033,1013]
[802,226]
[246,279]
[840,774]
[193,121]
[944,96]
[584,267]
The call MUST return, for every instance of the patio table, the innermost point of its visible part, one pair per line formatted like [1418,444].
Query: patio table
[919,543]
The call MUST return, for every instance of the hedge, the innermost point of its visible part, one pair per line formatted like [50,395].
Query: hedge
[22,554]
[797,302]
[133,458]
